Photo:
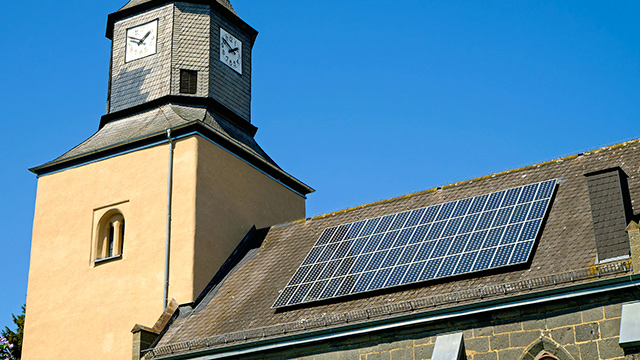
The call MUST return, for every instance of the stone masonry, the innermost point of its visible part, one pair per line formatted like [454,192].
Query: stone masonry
[584,329]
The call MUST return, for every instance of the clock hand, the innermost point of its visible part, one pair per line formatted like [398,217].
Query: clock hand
[133,38]
[225,41]
[145,36]
[233,50]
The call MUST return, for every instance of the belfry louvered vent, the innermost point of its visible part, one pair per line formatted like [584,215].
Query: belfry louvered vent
[188,81]
[611,212]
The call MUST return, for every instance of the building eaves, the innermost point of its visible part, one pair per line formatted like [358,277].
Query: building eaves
[439,304]
[149,127]
[136,6]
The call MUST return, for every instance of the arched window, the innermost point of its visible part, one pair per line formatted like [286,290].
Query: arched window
[545,349]
[110,236]
[545,355]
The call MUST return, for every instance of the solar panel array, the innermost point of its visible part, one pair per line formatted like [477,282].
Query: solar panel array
[459,237]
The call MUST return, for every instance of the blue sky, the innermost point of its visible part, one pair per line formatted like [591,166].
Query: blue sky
[361,100]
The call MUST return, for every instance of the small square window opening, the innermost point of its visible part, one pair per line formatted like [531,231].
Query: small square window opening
[188,81]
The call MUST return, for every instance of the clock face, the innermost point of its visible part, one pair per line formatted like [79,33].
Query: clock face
[231,51]
[141,41]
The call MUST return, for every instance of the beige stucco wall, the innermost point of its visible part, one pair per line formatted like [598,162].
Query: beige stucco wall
[231,198]
[76,309]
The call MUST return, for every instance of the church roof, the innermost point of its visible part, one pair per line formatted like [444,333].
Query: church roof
[134,3]
[236,308]
[151,125]
[136,6]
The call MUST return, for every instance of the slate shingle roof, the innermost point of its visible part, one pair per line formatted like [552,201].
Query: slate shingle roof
[241,303]
[132,128]
[144,125]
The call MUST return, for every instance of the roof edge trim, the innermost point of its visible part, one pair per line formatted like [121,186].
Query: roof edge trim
[592,288]
[208,103]
[472,307]
[192,128]
[230,15]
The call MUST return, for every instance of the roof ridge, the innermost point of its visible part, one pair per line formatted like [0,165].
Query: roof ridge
[407,306]
[421,192]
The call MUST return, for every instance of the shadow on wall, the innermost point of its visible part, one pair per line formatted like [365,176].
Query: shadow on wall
[127,88]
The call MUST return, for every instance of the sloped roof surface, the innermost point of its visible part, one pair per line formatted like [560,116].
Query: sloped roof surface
[133,3]
[135,127]
[242,301]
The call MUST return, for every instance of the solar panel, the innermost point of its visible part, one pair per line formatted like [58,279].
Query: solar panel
[459,237]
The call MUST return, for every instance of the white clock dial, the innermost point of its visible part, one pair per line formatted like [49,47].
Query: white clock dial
[231,51]
[141,41]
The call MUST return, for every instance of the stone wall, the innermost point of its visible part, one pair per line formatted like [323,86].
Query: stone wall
[585,329]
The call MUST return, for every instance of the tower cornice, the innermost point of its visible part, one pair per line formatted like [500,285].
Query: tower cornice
[133,8]
[209,103]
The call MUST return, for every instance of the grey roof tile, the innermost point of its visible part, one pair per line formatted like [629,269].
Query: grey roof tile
[156,121]
[243,300]
[133,3]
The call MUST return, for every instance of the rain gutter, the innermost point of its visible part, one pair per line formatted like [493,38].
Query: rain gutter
[564,293]
[165,301]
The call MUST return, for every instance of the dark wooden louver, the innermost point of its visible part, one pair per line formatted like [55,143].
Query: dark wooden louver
[188,81]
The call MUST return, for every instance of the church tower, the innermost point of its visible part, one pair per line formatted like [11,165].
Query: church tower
[150,206]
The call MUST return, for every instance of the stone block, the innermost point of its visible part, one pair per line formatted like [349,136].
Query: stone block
[523,338]
[499,342]
[467,334]
[593,314]
[308,357]
[423,352]
[479,344]
[353,354]
[609,348]
[573,350]
[535,324]
[513,353]
[527,356]
[588,350]
[610,328]
[483,331]
[486,356]
[425,340]
[587,332]
[326,356]
[401,354]
[537,347]
[560,320]
[400,344]
[563,335]
[612,311]
[379,356]
[507,328]
[385,345]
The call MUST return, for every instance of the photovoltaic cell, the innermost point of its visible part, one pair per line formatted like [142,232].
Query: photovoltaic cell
[459,237]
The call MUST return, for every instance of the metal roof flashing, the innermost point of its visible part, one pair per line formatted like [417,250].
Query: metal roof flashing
[448,347]
[187,129]
[630,325]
